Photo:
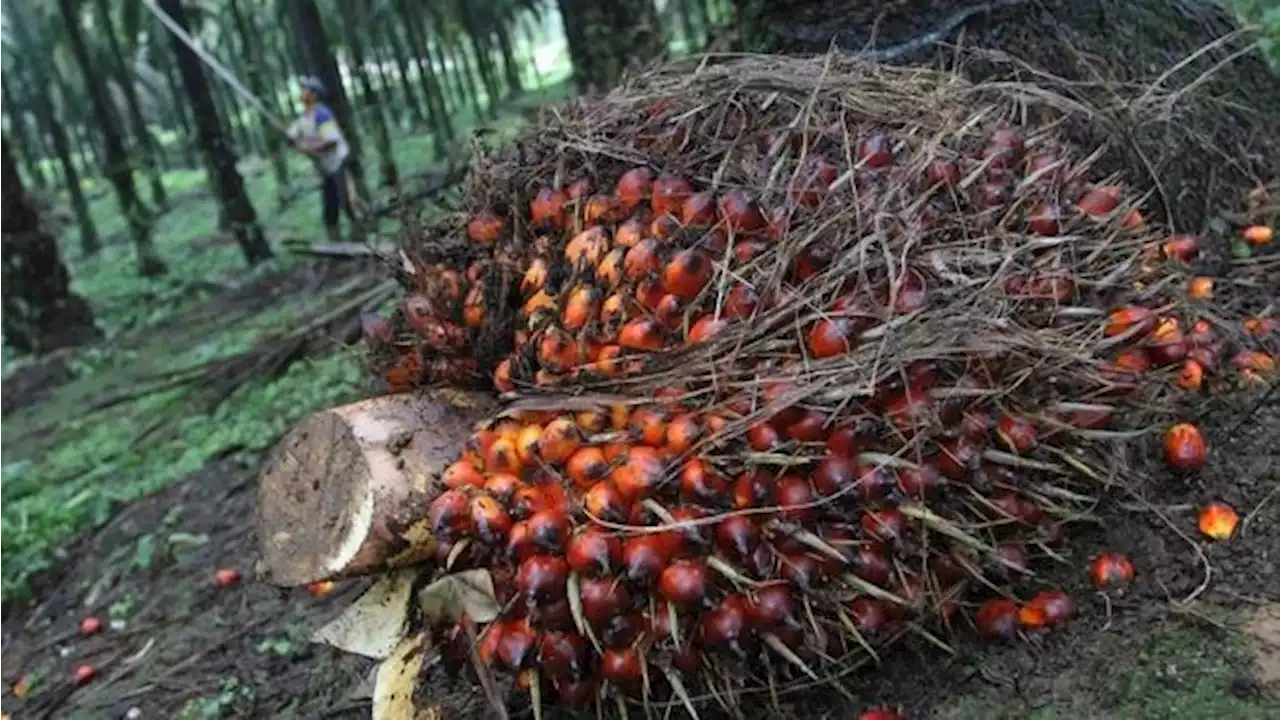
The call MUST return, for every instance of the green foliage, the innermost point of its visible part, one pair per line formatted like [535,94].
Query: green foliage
[1265,14]
[233,698]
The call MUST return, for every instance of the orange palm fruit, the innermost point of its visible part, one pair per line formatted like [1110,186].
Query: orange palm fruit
[581,308]
[1200,288]
[634,187]
[559,440]
[1218,520]
[1191,378]
[587,247]
[1259,235]
[641,334]
[485,228]
[687,273]
[1133,318]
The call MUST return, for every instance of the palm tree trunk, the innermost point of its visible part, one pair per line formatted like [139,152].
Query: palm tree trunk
[226,181]
[510,65]
[605,36]
[532,41]
[381,134]
[40,313]
[141,133]
[402,70]
[177,105]
[252,50]
[26,145]
[117,167]
[437,107]
[43,79]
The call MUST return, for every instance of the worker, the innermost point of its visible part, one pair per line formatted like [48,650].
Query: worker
[317,135]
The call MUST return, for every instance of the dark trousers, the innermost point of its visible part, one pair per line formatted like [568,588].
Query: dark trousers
[335,199]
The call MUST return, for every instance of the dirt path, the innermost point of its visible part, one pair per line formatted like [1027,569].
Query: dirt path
[174,644]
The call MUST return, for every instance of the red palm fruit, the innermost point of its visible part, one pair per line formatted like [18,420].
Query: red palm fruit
[748,250]
[943,173]
[910,411]
[845,442]
[794,496]
[586,466]
[1111,571]
[1138,320]
[956,458]
[555,617]
[1017,433]
[644,557]
[461,474]
[517,645]
[1048,608]
[997,619]
[502,381]
[579,189]
[687,659]
[870,564]
[485,228]
[643,259]
[974,424]
[575,693]
[594,551]
[683,432]
[1100,201]
[737,535]
[921,482]
[702,483]
[1009,561]
[875,152]
[740,302]
[542,578]
[547,210]
[694,536]
[504,455]
[633,187]
[581,308]
[603,598]
[621,631]
[1182,248]
[1184,448]
[550,529]
[813,259]
[685,583]
[648,425]
[810,426]
[886,525]
[559,440]
[687,273]
[639,476]
[752,489]
[664,227]
[587,248]
[881,713]
[832,336]
[641,334]
[873,482]
[630,233]
[698,210]
[1045,219]
[800,569]
[774,607]
[764,437]
[491,522]
[527,444]
[502,486]
[705,328]
[833,475]
[1005,148]
[740,214]
[450,514]
[520,545]
[624,667]
[725,627]
[602,209]
[473,311]
[668,312]
[669,193]
[564,655]
[868,615]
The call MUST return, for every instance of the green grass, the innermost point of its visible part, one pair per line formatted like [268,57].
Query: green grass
[65,469]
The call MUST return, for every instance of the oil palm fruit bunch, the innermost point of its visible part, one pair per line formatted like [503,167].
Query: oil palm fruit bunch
[833,364]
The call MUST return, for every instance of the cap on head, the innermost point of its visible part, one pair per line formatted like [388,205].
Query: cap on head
[312,83]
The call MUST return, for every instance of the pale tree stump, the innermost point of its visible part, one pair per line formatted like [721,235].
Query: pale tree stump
[346,492]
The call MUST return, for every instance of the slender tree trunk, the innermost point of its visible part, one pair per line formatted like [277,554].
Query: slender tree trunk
[26,144]
[40,311]
[142,135]
[381,134]
[402,70]
[532,40]
[384,86]
[273,142]
[43,80]
[461,61]
[510,64]
[226,181]
[437,108]
[607,36]
[177,105]
[117,168]
[309,31]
